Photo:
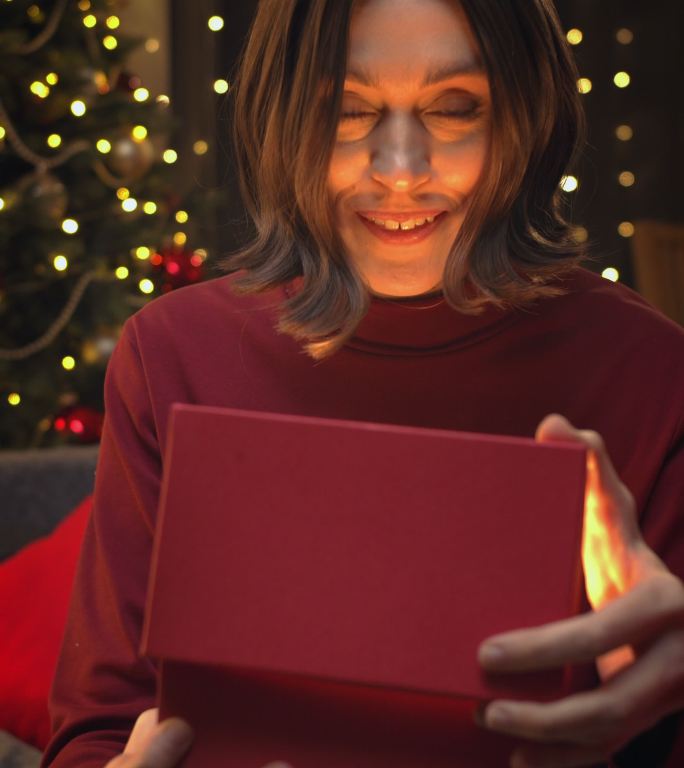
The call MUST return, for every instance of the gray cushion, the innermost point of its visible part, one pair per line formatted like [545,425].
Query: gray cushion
[16,754]
[38,488]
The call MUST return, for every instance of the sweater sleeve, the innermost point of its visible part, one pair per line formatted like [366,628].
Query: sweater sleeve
[101,684]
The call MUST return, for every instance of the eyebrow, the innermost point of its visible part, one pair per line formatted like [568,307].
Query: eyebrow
[435,75]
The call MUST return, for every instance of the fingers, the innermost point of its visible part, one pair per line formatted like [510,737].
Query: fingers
[638,616]
[604,719]
[557,756]
[155,745]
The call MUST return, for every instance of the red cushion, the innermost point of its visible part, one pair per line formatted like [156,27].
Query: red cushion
[35,584]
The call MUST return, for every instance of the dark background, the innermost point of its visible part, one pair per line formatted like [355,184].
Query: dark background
[651,105]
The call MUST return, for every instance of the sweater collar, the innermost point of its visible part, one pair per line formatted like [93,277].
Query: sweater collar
[420,324]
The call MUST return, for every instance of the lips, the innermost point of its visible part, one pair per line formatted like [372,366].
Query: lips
[400,215]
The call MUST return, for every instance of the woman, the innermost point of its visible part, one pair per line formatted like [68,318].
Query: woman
[401,160]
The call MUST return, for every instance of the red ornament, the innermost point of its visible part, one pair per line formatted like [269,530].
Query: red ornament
[178,266]
[80,422]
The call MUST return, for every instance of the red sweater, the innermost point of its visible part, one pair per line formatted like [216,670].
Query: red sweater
[600,355]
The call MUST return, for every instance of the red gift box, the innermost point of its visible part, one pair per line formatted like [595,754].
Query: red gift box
[319,587]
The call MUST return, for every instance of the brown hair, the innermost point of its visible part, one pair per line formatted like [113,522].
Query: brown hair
[286,101]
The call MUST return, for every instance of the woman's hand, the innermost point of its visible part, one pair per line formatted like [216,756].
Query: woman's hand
[635,634]
[159,745]
[153,744]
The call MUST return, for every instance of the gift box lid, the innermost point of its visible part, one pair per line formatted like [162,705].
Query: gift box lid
[368,553]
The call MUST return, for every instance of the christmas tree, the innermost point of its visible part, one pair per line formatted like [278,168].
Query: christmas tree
[91,226]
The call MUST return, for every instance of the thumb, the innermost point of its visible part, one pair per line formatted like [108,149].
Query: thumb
[170,741]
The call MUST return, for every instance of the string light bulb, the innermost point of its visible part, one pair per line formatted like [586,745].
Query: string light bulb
[129,204]
[584,85]
[54,140]
[112,22]
[51,78]
[624,132]
[39,89]
[14,398]
[90,20]
[215,23]
[610,273]
[2,203]
[122,272]
[622,79]
[141,94]
[146,285]
[60,263]
[103,146]
[569,183]
[627,179]
[139,133]
[180,239]
[626,229]
[68,363]
[200,147]
[575,36]
[122,193]
[221,86]
[152,45]
[150,208]
[142,252]
[70,226]
[2,132]
[624,36]
[110,42]
[182,217]
[78,108]
[170,156]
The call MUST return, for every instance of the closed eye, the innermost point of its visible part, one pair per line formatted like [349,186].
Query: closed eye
[444,114]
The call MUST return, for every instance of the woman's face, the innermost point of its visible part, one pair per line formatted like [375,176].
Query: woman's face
[411,140]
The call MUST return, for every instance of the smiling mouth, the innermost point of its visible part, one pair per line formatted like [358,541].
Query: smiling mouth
[411,230]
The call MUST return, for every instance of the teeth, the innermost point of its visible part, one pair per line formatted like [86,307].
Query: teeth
[405,226]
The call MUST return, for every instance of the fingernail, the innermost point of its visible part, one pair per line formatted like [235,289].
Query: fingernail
[490,653]
[498,717]
[176,733]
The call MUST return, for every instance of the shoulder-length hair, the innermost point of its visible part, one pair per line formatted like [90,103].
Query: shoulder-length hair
[287,95]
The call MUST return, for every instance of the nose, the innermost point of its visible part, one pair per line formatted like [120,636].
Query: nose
[401,157]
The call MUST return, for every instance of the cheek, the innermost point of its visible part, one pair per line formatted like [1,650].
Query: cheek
[348,166]
[459,165]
